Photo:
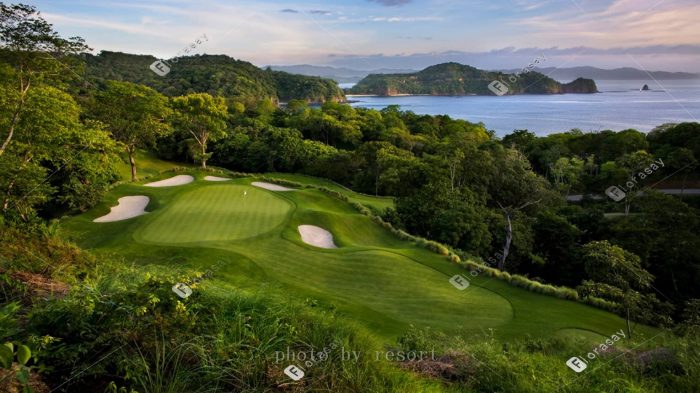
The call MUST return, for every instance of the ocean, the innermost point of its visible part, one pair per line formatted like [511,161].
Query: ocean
[619,105]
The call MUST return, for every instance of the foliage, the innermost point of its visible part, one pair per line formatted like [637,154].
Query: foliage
[217,75]
[55,159]
[203,118]
[135,116]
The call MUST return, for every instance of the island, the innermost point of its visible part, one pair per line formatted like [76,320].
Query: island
[454,79]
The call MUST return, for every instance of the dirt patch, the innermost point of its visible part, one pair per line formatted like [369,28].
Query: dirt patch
[40,285]
[10,384]
[450,367]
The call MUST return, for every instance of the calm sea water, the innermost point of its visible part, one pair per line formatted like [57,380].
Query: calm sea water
[619,106]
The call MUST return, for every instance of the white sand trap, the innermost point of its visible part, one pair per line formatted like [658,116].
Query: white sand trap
[128,207]
[216,178]
[270,186]
[317,237]
[173,181]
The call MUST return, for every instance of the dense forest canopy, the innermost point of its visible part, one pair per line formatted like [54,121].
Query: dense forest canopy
[213,74]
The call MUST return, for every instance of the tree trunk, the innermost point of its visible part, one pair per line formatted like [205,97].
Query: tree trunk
[204,156]
[509,239]
[8,195]
[15,116]
[132,162]
[13,124]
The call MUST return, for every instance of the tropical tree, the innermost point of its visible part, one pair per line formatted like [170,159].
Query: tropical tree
[33,51]
[566,172]
[54,158]
[617,275]
[457,218]
[135,115]
[204,118]
[634,164]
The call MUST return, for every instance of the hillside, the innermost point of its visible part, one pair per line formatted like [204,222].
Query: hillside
[458,79]
[213,74]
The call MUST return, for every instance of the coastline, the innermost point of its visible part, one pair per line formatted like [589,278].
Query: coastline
[465,95]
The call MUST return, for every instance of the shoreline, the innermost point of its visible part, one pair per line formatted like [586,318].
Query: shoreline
[465,95]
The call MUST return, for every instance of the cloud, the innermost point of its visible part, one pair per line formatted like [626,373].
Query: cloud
[391,3]
[320,12]
[394,19]
[618,22]
[289,11]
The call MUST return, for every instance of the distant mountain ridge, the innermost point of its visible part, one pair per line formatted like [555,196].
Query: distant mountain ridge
[349,75]
[625,73]
[454,79]
[338,74]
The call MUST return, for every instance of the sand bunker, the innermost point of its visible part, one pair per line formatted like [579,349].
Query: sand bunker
[173,181]
[270,186]
[216,178]
[317,237]
[128,207]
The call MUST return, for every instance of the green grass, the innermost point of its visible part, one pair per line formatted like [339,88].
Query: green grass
[216,212]
[147,165]
[373,278]
[378,202]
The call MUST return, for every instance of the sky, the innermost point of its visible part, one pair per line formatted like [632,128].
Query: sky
[406,34]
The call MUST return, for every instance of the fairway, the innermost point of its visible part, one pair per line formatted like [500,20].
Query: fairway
[215,213]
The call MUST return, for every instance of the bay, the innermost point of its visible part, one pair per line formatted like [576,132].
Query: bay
[619,105]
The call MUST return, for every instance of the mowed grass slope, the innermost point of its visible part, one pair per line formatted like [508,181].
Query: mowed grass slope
[378,202]
[374,278]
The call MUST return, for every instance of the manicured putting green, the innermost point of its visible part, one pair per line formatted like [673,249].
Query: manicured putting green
[216,213]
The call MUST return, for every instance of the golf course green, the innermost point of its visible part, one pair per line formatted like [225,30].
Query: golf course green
[217,212]
[249,237]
